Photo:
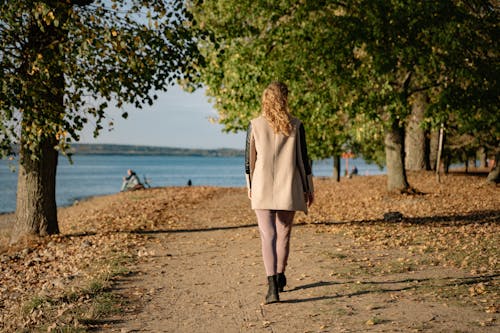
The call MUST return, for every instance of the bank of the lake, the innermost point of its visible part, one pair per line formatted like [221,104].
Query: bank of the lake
[101,174]
[349,269]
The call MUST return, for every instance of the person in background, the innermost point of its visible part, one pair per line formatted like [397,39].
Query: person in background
[131,181]
[354,172]
[279,180]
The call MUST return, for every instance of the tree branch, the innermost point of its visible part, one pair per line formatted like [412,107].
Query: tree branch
[81,2]
[407,80]
[424,88]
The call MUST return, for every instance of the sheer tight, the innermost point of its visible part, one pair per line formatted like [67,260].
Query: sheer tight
[275,227]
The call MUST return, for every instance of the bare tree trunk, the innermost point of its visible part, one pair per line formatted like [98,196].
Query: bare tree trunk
[494,175]
[415,140]
[394,152]
[433,149]
[36,210]
[483,157]
[336,167]
[439,152]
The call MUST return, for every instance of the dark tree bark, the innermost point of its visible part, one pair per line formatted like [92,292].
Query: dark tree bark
[336,167]
[446,163]
[36,210]
[416,144]
[394,152]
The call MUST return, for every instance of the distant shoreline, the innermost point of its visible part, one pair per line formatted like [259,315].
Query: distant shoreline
[140,150]
[117,149]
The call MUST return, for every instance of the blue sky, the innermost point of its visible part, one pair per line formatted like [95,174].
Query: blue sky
[176,119]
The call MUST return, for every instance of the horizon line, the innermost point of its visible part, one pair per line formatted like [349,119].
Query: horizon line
[153,146]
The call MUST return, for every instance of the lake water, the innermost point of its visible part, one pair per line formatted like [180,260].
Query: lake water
[92,175]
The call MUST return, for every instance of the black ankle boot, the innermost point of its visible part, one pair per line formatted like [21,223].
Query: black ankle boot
[281,282]
[272,293]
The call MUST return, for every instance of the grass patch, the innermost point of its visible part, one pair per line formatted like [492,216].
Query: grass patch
[34,303]
[105,304]
[81,308]
[95,287]
[62,329]
[119,265]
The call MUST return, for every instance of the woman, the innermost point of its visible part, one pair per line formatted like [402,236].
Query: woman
[279,180]
[131,182]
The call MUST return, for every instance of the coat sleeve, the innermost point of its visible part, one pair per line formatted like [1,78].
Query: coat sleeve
[250,155]
[305,159]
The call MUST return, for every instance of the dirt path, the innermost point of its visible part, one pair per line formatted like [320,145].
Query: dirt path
[194,256]
[208,276]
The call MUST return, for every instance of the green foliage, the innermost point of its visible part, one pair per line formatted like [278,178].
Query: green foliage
[351,65]
[62,63]
[367,139]
[249,44]
[467,100]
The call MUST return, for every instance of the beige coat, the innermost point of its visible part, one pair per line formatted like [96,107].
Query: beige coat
[278,174]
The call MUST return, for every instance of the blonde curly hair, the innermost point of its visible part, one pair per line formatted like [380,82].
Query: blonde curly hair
[275,108]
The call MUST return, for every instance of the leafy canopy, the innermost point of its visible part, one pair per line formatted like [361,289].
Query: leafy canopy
[352,66]
[62,63]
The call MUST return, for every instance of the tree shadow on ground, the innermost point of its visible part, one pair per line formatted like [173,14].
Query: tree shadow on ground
[80,234]
[415,285]
[187,230]
[482,216]
[487,216]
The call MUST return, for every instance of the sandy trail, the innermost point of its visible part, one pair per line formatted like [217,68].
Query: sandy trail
[208,277]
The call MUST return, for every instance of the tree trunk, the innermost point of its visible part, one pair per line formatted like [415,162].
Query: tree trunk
[36,210]
[494,175]
[433,149]
[336,167]
[415,140]
[483,157]
[446,163]
[439,152]
[394,152]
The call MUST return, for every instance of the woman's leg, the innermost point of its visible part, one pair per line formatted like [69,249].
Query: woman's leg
[284,220]
[267,227]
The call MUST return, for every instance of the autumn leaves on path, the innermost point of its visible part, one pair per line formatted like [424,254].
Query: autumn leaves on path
[204,273]
[187,259]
